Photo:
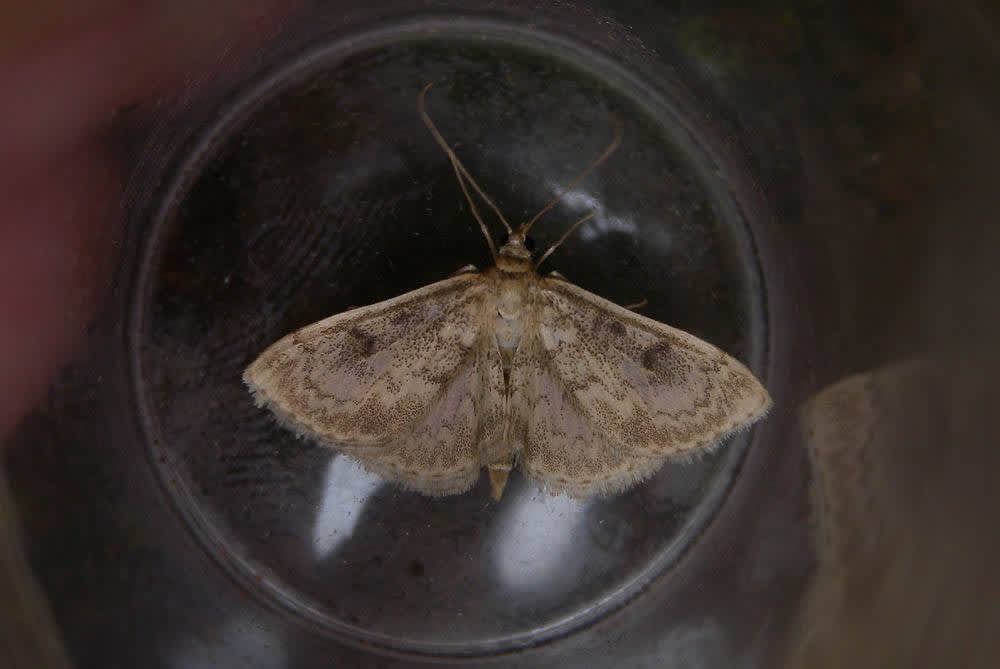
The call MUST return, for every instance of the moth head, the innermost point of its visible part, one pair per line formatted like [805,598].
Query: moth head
[515,254]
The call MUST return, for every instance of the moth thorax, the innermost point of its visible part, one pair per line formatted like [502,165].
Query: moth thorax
[510,308]
[510,301]
[514,264]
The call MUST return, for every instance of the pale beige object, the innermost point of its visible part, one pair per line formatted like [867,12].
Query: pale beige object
[905,574]
[490,369]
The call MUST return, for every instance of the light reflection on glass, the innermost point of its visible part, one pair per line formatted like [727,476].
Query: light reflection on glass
[239,642]
[534,542]
[345,492]
[698,646]
[602,223]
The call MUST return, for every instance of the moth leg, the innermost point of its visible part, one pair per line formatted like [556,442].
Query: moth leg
[637,305]
[468,269]
[556,275]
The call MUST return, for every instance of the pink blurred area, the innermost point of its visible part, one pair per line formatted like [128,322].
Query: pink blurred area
[66,69]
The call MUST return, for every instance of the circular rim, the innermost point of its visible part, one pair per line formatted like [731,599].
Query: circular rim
[254,578]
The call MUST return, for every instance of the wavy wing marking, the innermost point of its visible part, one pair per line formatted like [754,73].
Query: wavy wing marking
[560,446]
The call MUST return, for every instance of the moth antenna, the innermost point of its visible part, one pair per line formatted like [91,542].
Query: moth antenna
[563,238]
[615,141]
[461,172]
[457,167]
[482,194]
[475,212]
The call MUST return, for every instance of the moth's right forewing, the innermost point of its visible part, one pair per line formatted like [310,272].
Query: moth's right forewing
[564,447]
[643,384]
[369,375]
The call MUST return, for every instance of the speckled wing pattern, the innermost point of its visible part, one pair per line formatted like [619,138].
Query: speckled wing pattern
[407,386]
[413,388]
[604,396]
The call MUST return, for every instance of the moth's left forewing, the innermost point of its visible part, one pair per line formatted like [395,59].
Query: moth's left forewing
[406,387]
[644,384]
[367,376]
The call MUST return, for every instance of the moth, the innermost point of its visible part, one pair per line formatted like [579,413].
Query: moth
[503,368]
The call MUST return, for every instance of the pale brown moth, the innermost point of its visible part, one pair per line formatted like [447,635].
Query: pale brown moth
[501,368]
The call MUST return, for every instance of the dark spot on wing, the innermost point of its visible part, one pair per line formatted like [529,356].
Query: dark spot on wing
[363,342]
[652,357]
[669,363]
